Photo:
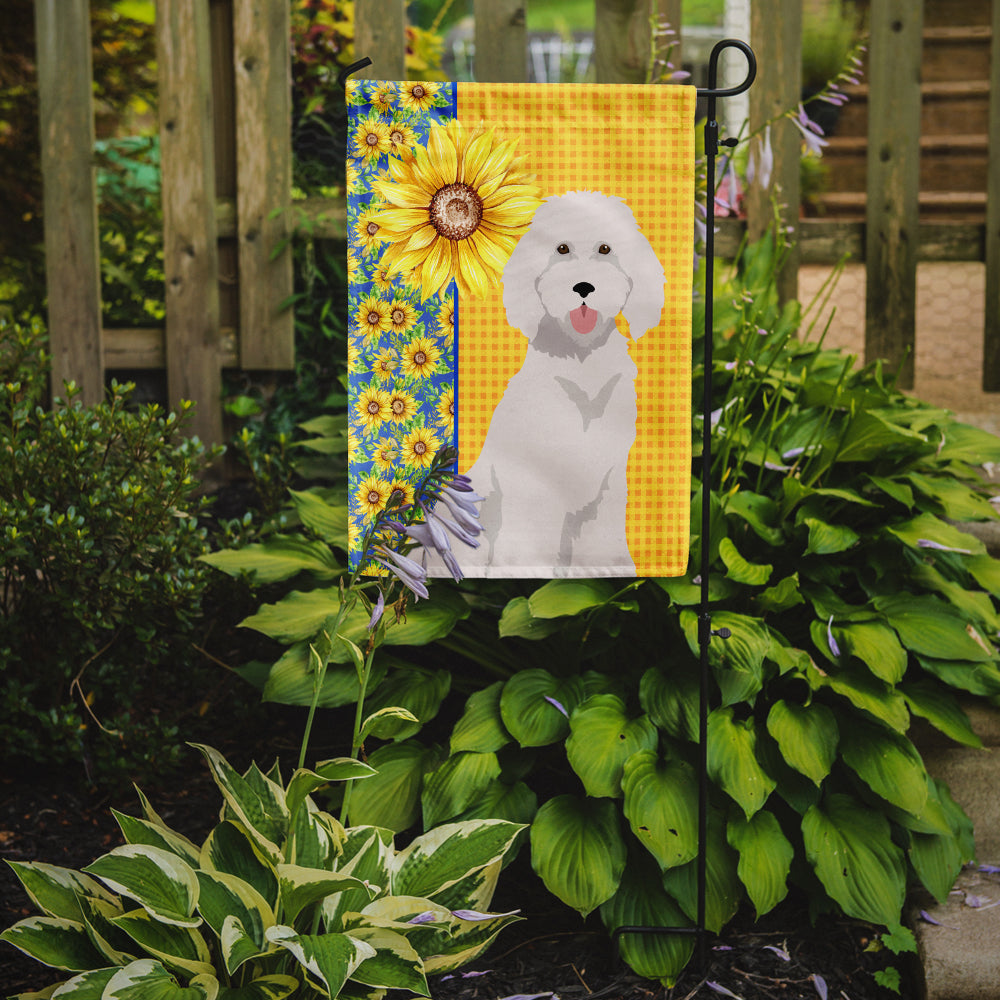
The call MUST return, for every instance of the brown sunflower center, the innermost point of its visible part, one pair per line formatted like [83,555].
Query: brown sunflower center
[398,406]
[456,211]
[396,138]
[398,316]
[374,496]
[373,407]
[373,318]
[418,92]
[419,448]
[372,228]
[371,138]
[419,358]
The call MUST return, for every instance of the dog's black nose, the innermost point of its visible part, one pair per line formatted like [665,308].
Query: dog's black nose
[583,288]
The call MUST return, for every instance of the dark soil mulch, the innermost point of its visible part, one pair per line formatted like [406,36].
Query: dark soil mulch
[551,951]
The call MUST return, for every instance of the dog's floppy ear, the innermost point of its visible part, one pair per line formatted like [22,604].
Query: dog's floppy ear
[520,296]
[644,304]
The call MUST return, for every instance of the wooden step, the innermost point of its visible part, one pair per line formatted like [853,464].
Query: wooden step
[956,53]
[957,206]
[947,162]
[939,13]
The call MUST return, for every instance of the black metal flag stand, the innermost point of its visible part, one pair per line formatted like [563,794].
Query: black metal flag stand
[705,631]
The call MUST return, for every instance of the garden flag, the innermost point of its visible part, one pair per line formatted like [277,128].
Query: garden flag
[520,275]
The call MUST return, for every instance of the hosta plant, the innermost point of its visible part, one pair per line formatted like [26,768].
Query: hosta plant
[279,900]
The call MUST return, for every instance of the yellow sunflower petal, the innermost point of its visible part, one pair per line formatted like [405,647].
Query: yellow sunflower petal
[490,253]
[442,155]
[436,268]
[422,238]
[476,274]
[509,192]
[496,163]
[406,195]
[475,156]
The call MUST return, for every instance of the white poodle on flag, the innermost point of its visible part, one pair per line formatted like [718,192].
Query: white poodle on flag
[552,470]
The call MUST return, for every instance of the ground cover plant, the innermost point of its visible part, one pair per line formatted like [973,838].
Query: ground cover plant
[854,603]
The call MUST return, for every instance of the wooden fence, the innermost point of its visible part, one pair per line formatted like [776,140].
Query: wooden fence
[226,161]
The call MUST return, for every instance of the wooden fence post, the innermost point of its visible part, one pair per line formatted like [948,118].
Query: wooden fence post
[262,61]
[893,183]
[622,40]
[72,255]
[991,332]
[776,35]
[380,34]
[190,252]
[501,41]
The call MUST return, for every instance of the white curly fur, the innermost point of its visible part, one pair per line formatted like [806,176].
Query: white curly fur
[553,466]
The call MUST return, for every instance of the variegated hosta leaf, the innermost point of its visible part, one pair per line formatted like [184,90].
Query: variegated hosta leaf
[456,784]
[578,851]
[481,727]
[147,979]
[116,946]
[56,891]
[535,706]
[367,853]
[256,801]
[475,891]
[54,941]
[441,857]
[807,736]
[765,858]
[177,947]
[87,986]
[602,737]
[300,887]
[141,831]
[395,964]
[732,760]
[888,763]
[661,799]
[225,897]
[850,847]
[468,939]
[304,782]
[274,987]
[723,889]
[391,799]
[329,959]
[642,902]
[315,838]
[158,880]
[230,849]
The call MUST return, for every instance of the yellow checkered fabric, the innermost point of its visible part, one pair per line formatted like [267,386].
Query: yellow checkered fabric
[636,143]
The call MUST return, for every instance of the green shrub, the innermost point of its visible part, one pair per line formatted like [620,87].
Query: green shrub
[854,603]
[280,899]
[99,540]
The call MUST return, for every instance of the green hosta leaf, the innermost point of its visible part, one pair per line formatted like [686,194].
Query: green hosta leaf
[516,803]
[723,889]
[395,964]
[976,678]
[807,736]
[180,948]
[456,784]
[671,699]
[928,528]
[975,605]
[828,539]
[641,901]
[783,595]
[275,987]
[865,692]
[965,443]
[732,760]
[661,798]
[941,709]
[159,881]
[684,592]
[957,501]
[893,488]
[758,511]
[260,809]
[56,891]
[765,858]
[301,887]
[330,959]
[888,763]
[850,847]
[141,831]
[481,728]
[602,738]
[931,628]
[391,798]
[869,436]
[937,860]
[292,681]
[738,661]
[297,616]
[279,558]
[876,646]
[438,859]
[986,572]
[578,851]
[147,979]
[54,941]
[327,520]
[230,849]
[559,598]
[225,897]
[751,574]
[416,689]
[527,711]
[517,620]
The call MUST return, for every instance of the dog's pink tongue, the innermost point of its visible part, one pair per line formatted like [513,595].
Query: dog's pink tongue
[583,319]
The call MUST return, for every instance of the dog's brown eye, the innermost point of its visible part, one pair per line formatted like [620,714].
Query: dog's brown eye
[562,248]
[604,248]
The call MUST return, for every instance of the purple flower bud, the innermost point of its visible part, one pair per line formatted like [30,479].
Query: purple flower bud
[411,574]
[834,648]
[558,705]
[820,983]
[377,612]
[427,917]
